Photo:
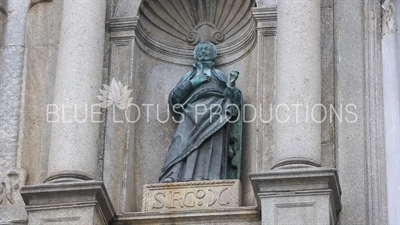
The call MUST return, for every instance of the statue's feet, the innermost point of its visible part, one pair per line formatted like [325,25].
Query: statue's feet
[168,180]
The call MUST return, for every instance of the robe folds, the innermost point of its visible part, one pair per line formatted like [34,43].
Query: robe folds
[200,146]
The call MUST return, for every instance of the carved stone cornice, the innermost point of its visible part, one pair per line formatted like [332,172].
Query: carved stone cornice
[123,27]
[266,18]
[233,216]
[58,200]
[273,186]
[124,23]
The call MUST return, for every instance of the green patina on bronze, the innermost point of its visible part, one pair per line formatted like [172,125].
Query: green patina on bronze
[207,144]
[235,138]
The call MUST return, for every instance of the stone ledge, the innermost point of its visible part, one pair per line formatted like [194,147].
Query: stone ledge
[236,216]
[123,28]
[297,180]
[266,18]
[191,195]
[291,186]
[56,196]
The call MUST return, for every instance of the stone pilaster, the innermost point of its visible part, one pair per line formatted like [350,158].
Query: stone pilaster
[296,189]
[13,16]
[75,133]
[266,76]
[118,156]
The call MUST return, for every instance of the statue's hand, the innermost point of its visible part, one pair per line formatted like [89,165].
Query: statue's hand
[196,81]
[233,76]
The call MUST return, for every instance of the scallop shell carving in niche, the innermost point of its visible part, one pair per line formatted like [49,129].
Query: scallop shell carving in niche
[169,29]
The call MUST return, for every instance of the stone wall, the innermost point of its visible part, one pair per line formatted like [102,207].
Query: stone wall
[130,154]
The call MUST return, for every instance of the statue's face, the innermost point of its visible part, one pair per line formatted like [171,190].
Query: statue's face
[204,52]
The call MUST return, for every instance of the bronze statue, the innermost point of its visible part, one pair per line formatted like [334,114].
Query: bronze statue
[207,141]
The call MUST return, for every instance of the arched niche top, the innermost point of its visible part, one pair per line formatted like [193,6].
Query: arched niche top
[169,29]
[34,2]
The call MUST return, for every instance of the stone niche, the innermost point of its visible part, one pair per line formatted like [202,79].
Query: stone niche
[165,36]
[150,51]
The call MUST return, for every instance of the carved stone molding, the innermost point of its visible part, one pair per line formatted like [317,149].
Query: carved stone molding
[123,27]
[34,2]
[124,23]
[84,202]
[232,216]
[169,30]
[312,194]
[67,176]
[266,19]
[10,186]
[205,31]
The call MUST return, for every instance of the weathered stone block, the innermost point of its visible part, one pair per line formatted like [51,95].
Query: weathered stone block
[74,203]
[298,196]
[12,208]
[192,195]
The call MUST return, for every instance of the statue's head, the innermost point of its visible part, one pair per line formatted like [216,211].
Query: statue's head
[205,51]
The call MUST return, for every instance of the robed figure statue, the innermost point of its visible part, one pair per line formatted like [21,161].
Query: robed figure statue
[207,107]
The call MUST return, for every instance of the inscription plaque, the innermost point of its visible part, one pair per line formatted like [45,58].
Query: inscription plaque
[191,195]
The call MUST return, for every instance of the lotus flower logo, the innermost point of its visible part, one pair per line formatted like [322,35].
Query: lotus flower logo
[116,93]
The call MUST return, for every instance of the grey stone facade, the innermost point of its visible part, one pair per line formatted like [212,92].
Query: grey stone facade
[67,159]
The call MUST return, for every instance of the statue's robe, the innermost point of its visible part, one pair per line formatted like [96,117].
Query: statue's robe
[199,149]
